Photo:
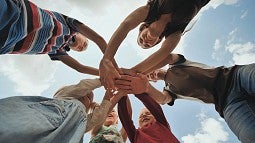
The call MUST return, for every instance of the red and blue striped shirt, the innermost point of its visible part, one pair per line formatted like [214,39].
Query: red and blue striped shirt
[28,29]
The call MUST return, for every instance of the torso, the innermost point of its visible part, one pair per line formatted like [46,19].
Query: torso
[35,30]
[155,133]
[192,81]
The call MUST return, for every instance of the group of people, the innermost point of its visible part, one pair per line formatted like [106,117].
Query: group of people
[28,29]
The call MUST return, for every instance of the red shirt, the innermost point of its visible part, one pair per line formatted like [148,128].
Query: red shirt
[158,132]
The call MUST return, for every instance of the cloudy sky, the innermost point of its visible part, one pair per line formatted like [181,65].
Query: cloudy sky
[222,35]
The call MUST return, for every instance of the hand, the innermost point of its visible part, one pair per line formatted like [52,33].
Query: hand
[127,72]
[107,74]
[133,84]
[153,76]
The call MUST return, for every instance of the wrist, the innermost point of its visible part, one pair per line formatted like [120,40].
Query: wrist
[161,75]
[148,88]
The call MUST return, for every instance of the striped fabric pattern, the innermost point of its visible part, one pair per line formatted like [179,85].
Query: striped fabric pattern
[28,29]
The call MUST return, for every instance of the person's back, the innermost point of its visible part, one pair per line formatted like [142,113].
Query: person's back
[33,30]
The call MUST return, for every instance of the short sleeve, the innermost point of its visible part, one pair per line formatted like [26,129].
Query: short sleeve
[71,23]
[173,96]
[54,55]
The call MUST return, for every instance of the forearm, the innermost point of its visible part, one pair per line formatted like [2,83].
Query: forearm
[158,96]
[152,62]
[130,22]
[115,41]
[92,35]
[159,56]
[88,70]
[170,59]
[98,116]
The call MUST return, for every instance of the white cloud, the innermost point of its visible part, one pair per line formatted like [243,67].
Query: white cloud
[211,131]
[92,7]
[232,36]
[217,44]
[242,53]
[218,48]
[244,14]
[215,3]
[31,75]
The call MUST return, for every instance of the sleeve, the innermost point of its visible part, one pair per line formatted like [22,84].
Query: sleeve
[166,88]
[71,23]
[99,115]
[153,107]
[126,120]
[181,60]
[79,90]
[54,55]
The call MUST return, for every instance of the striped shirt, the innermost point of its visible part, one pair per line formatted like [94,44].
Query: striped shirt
[28,29]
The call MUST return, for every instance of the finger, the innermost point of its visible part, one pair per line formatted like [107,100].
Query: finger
[123,82]
[142,76]
[126,91]
[110,84]
[128,72]
[120,71]
[126,77]
[123,87]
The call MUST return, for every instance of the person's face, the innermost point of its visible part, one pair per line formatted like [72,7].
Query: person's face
[112,118]
[146,40]
[80,43]
[146,118]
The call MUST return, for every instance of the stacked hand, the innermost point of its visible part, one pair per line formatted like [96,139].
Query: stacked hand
[133,84]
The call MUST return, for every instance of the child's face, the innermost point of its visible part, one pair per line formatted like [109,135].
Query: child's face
[146,118]
[80,43]
[112,118]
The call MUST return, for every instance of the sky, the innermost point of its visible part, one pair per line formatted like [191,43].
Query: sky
[222,35]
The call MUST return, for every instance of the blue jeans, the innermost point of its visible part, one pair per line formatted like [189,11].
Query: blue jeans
[34,119]
[239,112]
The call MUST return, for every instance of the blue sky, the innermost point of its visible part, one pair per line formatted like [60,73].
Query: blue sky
[222,35]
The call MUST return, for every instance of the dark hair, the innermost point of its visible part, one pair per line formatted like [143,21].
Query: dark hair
[184,12]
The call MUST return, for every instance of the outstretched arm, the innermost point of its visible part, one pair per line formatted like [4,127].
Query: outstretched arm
[125,115]
[129,111]
[170,59]
[99,114]
[71,62]
[159,56]
[92,35]
[107,70]
[139,85]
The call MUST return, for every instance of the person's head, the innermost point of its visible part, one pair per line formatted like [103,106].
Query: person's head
[145,37]
[78,42]
[145,118]
[112,118]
